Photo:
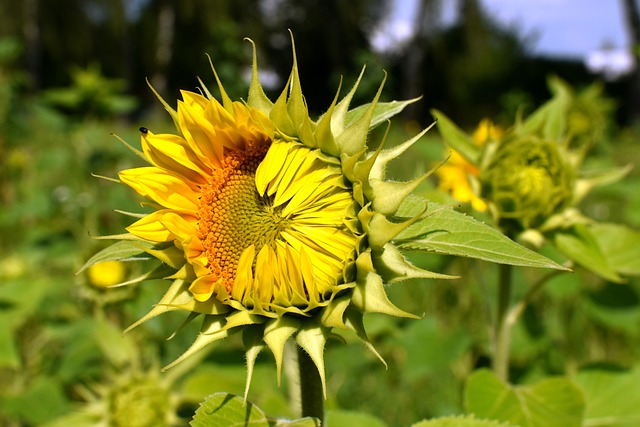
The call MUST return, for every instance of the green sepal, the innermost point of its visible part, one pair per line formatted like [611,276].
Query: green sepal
[387,196]
[585,184]
[369,295]
[312,338]
[171,255]
[333,313]
[253,345]
[382,112]
[385,156]
[297,107]
[354,321]
[324,136]
[173,113]
[457,139]
[124,250]
[393,267]
[276,334]
[162,271]
[177,289]
[381,231]
[211,331]
[339,116]
[257,98]
[279,115]
[549,121]
[227,103]
[354,137]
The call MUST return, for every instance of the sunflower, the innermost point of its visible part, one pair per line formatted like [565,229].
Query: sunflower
[458,175]
[269,222]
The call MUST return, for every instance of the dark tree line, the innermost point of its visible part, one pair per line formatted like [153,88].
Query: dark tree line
[471,69]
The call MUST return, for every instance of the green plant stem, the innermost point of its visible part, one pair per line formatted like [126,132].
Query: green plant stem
[509,319]
[311,395]
[502,340]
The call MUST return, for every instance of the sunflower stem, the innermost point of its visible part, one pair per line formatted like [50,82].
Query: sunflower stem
[502,332]
[311,396]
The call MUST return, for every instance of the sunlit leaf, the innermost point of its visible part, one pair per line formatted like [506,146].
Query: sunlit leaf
[352,419]
[227,410]
[612,397]
[461,421]
[552,402]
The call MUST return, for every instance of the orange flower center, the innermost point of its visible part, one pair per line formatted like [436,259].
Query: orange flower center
[233,215]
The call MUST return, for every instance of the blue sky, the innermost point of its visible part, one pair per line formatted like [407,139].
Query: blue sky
[564,27]
[571,28]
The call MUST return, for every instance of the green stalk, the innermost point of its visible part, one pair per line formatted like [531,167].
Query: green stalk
[508,320]
[503,337]
[311,395]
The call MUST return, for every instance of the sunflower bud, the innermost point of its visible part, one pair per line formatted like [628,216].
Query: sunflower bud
[528,179]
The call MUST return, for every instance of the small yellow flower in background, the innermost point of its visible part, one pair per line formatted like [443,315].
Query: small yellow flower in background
[457,175]
[107,273]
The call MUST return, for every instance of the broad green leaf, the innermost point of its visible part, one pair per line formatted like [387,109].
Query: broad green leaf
[461,421]
[227,410]
[612,397]
[581,245]
[456,138]
[121,250]
[552,402]
[446,231]
[621,246]
[382,112]
[339,418]
[223,409]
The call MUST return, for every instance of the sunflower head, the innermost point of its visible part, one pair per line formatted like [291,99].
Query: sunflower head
[269,222]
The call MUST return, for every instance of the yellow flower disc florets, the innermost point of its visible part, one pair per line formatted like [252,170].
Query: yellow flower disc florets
[283,242]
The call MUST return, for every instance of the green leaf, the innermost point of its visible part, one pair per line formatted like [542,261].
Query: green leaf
[549,121]
[461,421]
[612,397]
[338,418]
[121,250]
[621,246]
[580,244]
[446,231]
[223,409]
[228,410]
[42,402]
[383,111]
[455,138]
[552,402]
